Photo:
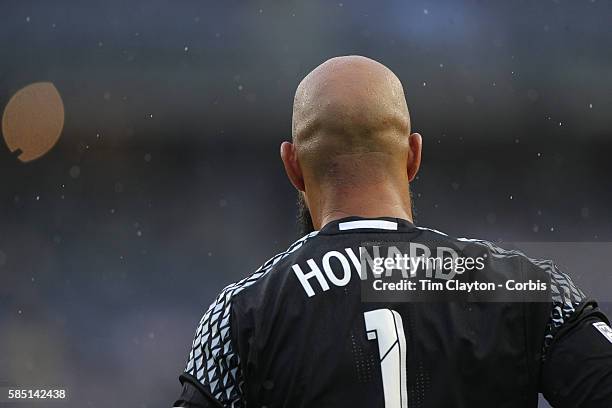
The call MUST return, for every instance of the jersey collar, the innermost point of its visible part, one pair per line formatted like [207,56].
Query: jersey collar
[360,224]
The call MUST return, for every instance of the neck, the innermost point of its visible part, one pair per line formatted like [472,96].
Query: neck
[371,201]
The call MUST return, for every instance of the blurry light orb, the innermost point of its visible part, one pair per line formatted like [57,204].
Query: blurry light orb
[33,120]
[75,172]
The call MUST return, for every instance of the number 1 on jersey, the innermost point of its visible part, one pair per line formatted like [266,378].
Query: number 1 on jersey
[386,326]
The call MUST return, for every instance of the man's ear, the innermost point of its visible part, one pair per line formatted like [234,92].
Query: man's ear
[415,142]
[292,166]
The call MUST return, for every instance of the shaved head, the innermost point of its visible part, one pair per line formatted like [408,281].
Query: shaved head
[349,106]
[351,139]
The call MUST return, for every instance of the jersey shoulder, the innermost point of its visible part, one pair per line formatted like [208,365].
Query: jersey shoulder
[563,288]
[566,297]
[213,360]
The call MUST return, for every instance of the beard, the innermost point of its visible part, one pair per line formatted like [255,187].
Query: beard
[304,220]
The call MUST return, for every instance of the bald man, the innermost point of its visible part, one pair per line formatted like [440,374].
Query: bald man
[369,310]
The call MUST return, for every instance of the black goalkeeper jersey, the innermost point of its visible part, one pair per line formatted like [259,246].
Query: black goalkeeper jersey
[299,333]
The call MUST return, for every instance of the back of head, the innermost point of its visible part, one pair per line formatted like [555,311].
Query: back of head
[351,123]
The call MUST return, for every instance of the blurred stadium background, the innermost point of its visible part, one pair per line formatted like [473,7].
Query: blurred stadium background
[166,184]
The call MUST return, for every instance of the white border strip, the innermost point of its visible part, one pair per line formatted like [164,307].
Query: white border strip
[374,224]
[604,329]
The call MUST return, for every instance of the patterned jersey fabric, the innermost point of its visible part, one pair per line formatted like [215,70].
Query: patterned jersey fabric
[300,333]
